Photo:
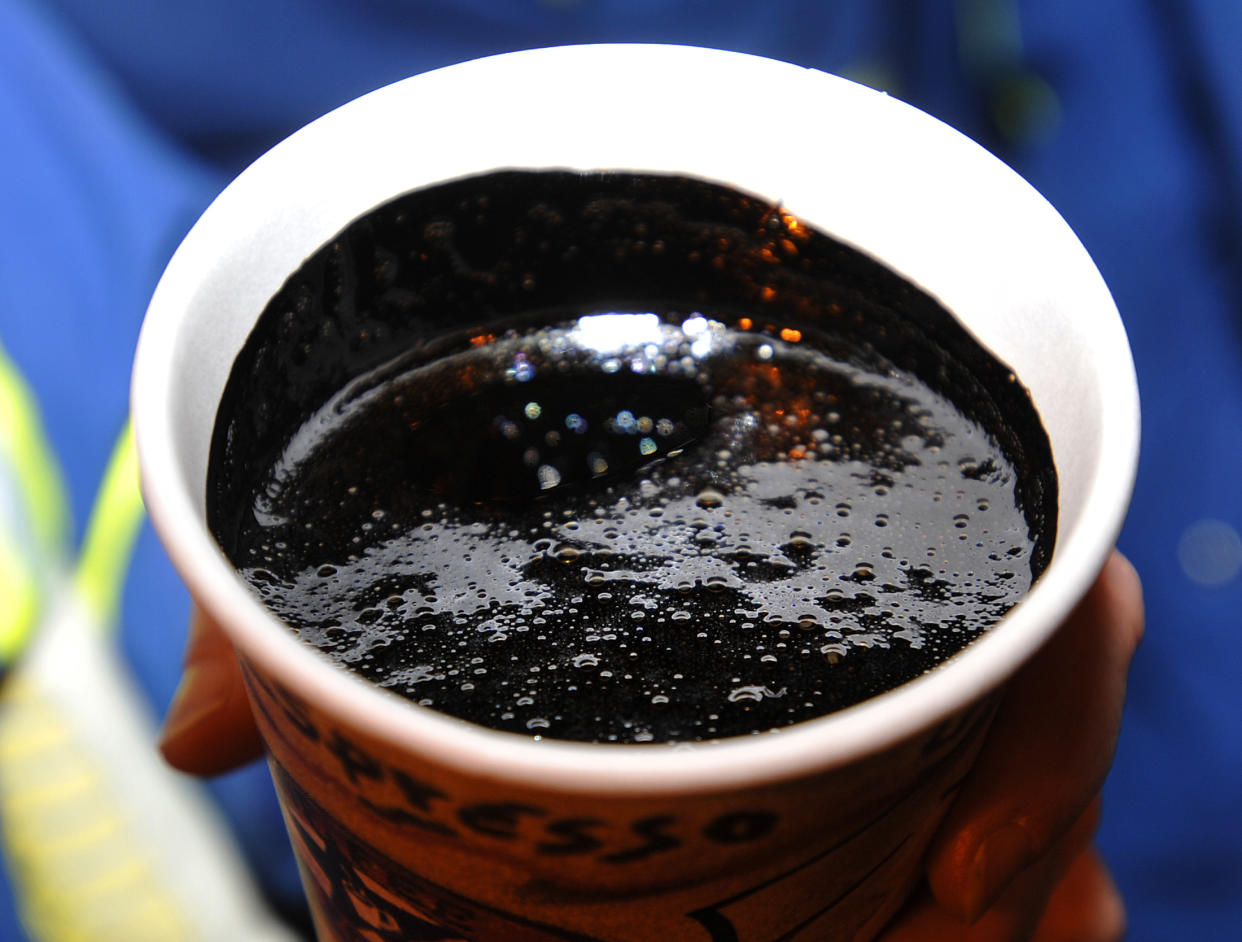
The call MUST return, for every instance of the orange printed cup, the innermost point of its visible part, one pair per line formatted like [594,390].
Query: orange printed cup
[408,823]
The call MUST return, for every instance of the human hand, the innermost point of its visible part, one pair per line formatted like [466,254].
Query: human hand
[1011,860]
[209,728]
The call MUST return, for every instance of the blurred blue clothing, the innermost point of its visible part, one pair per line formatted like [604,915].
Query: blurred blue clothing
[125,118]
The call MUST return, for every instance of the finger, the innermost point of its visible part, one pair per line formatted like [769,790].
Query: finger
[209,728]
[1057,878]
[1047,753]
[1085,907]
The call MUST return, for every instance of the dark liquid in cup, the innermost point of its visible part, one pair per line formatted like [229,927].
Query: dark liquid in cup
[746,495]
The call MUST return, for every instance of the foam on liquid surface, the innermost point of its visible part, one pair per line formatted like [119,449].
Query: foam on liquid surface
[635,526]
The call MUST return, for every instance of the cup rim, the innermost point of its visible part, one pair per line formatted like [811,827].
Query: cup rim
[805,748]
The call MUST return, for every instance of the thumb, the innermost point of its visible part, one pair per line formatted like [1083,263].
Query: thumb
[1047,752]
[209,728]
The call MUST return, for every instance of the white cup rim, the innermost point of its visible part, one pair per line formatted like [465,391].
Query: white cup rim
[261,205]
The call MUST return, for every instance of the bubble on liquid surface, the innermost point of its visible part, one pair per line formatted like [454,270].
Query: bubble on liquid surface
[585,540]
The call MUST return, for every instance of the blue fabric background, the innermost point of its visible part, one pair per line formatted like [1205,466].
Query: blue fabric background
[121,121]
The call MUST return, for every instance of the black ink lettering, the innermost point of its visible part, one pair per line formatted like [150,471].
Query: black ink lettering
[419,794]
[261,703]
[355,763]
[716,923]
[657,841]
[498,820]
[290,705]
[716,919]
[451,913]
[364,895]
[404,817]
[740,827]
[829,907]
[576,839]
[295,709]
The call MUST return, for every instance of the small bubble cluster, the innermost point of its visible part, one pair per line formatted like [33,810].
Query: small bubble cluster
[637,527]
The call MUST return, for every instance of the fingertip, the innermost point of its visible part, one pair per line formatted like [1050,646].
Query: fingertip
[1068,898]
[208,728]
[1085,907]
[997,860]
[1124,587]
[1122,570]
[971,873]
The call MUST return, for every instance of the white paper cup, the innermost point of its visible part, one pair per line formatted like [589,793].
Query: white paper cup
[403,817]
